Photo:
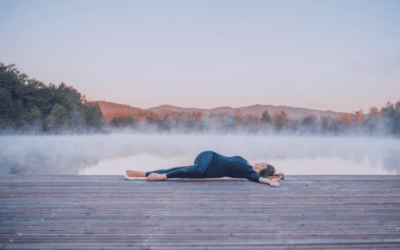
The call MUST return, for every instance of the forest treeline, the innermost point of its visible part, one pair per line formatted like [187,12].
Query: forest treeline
[385,121]
[28,105]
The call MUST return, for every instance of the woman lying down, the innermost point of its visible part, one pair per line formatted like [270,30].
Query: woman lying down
[209,164]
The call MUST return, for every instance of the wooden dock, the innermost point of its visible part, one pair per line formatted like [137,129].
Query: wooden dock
[108,212]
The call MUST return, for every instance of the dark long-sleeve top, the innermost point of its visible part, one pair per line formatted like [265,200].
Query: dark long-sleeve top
[210,164]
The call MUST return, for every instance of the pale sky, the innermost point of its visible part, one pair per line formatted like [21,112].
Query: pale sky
[337,55]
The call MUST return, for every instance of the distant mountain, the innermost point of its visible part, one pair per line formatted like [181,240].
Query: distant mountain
[254,110]
[112,110]
[290,111]
[177,109]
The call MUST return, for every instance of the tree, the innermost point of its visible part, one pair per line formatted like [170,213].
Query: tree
[373,120]
[374,112]
[92,114]
[309,124]
[151,116]
[238,116]
[33,115]
[122,121]
[280,120]
[11,93]
[358,117]
[26,101]
[265,117]
[60,114]
[392,115]
[308,120]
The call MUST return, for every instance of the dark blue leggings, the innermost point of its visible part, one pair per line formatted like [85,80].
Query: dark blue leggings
[180,172]
[202,162]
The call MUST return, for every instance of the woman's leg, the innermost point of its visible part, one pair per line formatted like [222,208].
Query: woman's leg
[134,173]
[201,163]
[178,172]
[181,172]
[186,172]
[164,171]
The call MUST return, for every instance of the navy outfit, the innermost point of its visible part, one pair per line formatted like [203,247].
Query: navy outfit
[209,164]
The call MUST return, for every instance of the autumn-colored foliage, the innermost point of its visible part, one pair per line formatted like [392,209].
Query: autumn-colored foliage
[374,111]
[238,115]
[252,119]
[165,119]
[112,110]
[345,119]
[359,117]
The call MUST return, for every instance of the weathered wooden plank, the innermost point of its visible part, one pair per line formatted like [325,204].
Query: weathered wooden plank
[306,212]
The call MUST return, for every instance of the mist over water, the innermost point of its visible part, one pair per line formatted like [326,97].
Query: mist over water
[91,154]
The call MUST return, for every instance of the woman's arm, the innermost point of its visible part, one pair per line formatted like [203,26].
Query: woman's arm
[272,183]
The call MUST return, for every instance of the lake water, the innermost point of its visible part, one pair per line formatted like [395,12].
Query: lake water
[112,154]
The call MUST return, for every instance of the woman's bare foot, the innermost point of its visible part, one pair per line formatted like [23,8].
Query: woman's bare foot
[132,173]
[156,177]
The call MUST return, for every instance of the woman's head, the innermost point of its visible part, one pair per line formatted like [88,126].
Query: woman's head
[268,171]
[265,169]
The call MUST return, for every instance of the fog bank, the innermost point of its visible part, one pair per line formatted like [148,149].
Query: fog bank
[69,154]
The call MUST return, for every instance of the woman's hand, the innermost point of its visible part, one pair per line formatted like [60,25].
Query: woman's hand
[156,177]
[272,183]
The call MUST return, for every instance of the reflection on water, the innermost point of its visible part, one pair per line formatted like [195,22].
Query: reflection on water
[114,153]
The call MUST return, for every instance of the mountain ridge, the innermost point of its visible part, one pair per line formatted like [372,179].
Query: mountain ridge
[112,110]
